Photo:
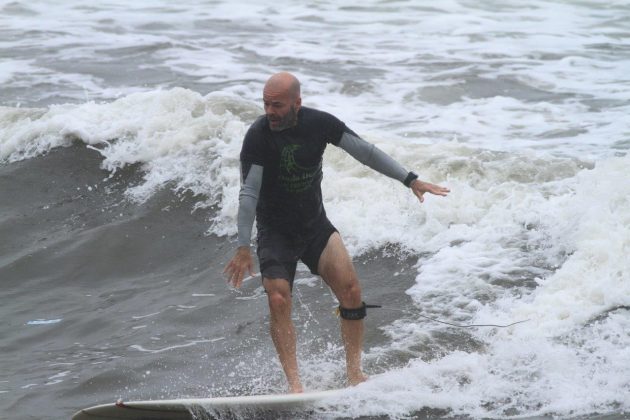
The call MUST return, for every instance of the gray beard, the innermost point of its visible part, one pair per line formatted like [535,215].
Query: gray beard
[287,121]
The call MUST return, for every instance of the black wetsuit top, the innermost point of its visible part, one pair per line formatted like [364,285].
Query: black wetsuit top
[290,196]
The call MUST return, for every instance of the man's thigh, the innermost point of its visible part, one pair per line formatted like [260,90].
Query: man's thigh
[336,268]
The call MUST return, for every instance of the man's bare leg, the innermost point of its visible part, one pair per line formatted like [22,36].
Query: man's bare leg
[337,270]
[282,329]
[352,334]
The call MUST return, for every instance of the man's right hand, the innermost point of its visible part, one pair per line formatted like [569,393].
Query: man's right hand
[240,264]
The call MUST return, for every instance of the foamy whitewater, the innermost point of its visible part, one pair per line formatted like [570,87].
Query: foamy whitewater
[521,109]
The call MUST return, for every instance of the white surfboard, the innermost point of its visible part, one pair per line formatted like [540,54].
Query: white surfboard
[196,408]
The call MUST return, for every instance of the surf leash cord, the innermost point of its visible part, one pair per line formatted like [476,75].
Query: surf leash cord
[450,323]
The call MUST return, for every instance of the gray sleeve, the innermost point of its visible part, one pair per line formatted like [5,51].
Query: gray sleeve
[372,156]
[247,201]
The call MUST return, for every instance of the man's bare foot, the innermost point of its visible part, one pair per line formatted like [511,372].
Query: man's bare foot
[295,388]
[357,378]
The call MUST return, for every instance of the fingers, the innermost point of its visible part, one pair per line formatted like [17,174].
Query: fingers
[437,190]
[237,278]
[234,274]
[419,188]
[236,270]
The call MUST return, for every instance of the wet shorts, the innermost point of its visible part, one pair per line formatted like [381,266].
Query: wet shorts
[279,252]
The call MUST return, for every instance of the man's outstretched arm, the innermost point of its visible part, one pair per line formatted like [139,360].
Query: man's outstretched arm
[242,261]
[372,156]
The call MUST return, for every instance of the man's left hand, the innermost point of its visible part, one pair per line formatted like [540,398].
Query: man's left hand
[420,187]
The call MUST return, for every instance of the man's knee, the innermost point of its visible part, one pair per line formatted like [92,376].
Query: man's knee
[350,294]
[278,295]
[277,301]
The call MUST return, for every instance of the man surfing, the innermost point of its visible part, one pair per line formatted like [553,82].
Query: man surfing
[281,170]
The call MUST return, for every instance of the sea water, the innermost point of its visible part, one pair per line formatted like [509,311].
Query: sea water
[120,130]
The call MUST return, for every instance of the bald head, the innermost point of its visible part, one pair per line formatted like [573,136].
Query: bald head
[284,82]
[282,100]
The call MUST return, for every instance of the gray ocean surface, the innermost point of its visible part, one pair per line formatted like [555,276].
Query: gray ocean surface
[120,127]
[143,310]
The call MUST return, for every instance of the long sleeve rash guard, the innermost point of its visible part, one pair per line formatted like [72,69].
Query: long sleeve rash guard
[252,179]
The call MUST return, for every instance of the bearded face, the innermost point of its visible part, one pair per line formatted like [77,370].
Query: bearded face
[279,122]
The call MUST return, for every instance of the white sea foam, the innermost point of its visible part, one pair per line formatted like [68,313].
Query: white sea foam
[57,378]
[520,110]
[44,321]
[513,221]
[8,68]
[175,346]
[539,360]
[528,72]
[511,217]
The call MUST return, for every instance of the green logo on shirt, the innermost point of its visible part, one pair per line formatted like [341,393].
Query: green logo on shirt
[294,177]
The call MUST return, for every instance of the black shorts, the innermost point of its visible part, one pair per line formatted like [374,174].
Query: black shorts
[279,252]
